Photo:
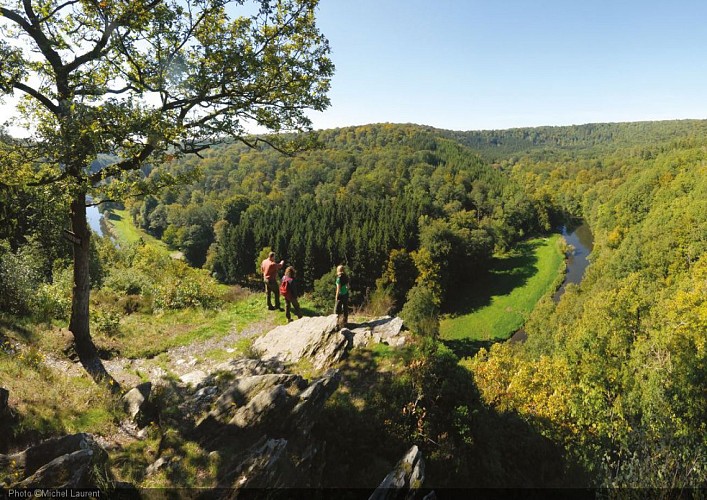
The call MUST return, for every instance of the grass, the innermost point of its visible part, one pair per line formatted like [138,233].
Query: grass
[46,402]
[123,230]
[146,335]
[498,303]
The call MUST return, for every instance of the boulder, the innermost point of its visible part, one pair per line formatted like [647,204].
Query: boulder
[241,403]
[384,329]
[403,481]
[194,378]
[66,462]
[136,401]
[267,465]
[311,401]
[263,408]
[316,339]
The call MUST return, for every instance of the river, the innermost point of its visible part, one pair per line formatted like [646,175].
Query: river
[94,219]
[582,240]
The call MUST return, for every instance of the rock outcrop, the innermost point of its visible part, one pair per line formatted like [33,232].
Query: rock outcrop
[269,416]
[385,330]
[318,339]
[66,462]
[258,419]
[137,402]
[404,480]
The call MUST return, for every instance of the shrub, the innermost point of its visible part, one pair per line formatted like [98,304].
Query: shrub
[106,322]
[129,281]
[324,292]
[421,311]
[53,300]
[380,302]
[19,279]
[186,287]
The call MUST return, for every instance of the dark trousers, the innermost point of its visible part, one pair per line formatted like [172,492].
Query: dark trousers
[292,302]
[342,310]
[272,288]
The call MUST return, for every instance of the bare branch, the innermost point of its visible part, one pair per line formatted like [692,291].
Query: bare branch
[39,96]
[57,9]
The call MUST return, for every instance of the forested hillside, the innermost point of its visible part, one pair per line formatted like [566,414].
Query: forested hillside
[365,192]
[609,388]
[590,140]
[616,370]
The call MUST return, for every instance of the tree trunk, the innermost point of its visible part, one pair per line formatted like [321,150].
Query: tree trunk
[79,322]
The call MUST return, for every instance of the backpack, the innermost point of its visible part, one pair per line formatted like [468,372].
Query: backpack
[285,286]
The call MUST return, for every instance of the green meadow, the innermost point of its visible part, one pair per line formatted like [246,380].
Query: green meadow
[124,231]
[496,304]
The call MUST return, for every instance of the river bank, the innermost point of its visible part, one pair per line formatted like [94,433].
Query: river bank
[496,304]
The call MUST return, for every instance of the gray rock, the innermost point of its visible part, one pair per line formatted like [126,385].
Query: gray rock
[311,401]
[67,462]
[242,398]
[156,466]
[266,466]
[193,378]
[384,329]
[136,399]
[264,407]
[246,367]
[405,479]
[316,339]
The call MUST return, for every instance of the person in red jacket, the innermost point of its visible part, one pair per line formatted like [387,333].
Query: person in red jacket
[288,289]
[270,269]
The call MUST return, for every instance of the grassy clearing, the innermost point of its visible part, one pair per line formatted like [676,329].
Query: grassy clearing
[146,335]
[497,304]
[47,403]
[124,231]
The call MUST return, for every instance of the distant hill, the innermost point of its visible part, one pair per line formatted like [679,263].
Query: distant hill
[583,140]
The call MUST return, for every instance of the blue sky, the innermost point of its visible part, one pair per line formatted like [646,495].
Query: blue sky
[494,64]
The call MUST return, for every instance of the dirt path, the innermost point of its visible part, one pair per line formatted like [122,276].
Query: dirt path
[176,361]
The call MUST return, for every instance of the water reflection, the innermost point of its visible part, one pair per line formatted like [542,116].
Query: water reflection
[94,219]
[581,239]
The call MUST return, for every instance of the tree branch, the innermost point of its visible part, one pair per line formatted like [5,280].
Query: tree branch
[48,180]
[39,96]
[57,9]
[122,166]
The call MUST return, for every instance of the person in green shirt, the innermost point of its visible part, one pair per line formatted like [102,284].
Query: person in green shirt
[342,297]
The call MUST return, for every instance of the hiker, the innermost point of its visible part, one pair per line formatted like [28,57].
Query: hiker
[288,289]
[342,297]
[270,269]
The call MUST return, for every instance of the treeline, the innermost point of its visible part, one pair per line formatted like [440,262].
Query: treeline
[365,192]
[616,370]
[636,138]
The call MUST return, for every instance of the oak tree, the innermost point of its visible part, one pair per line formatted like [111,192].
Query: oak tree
[144,81]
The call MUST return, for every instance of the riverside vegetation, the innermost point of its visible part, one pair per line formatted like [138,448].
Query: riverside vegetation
[608,390]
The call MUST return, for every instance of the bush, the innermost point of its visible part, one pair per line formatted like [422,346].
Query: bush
[19,279]
[53,300]
[186,287]
[421,311]
[324,292]
[129,282]
[106,322]
[380,302]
